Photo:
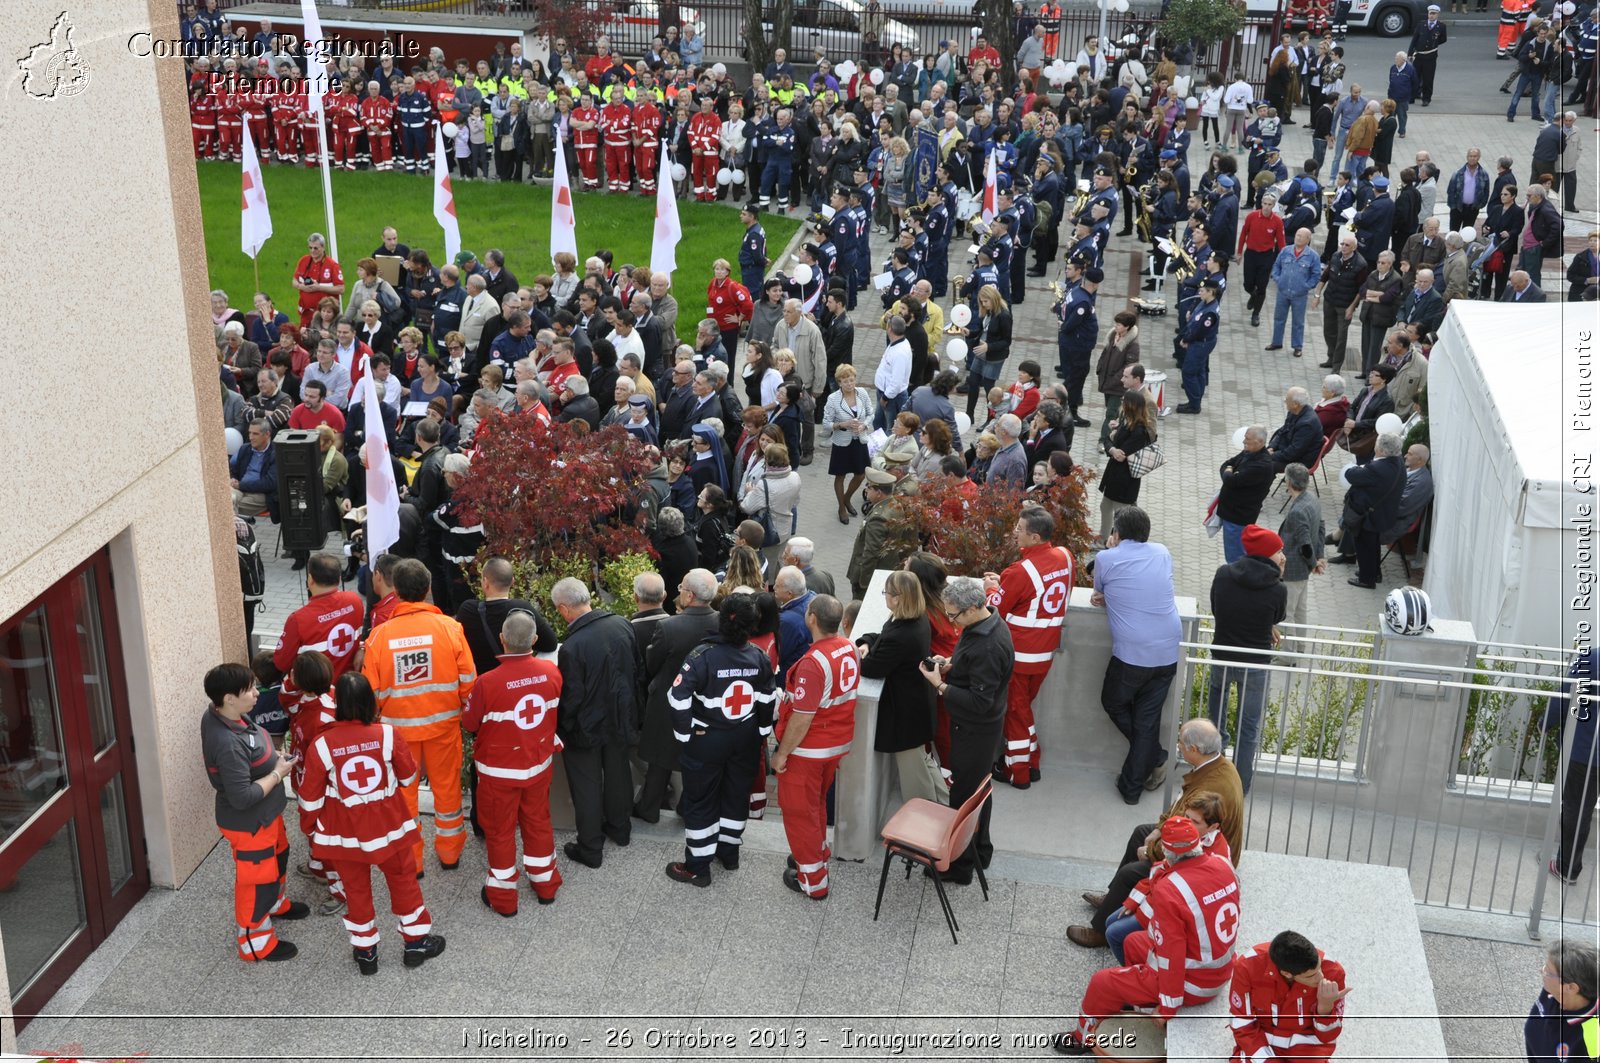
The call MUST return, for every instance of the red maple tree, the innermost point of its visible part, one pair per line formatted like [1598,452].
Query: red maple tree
[557,492]
[973,532]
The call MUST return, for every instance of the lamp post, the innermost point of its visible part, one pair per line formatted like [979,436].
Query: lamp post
[1121,7]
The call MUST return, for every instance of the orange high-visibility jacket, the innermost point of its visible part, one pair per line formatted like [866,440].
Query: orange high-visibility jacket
[421,671]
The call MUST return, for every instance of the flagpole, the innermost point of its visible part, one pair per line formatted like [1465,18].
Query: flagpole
[327,181]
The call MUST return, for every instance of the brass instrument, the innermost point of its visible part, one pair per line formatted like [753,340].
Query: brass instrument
[1081,200]
[1129,173]
[1186,266]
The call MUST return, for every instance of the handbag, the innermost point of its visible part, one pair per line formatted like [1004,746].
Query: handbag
[770,536]
[507,142]
[1213,521]
[1146,460]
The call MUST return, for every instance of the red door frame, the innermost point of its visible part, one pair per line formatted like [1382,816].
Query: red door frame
[87,775]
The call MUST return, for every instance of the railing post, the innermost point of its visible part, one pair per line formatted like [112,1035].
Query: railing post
[1552,825]
[1414,749]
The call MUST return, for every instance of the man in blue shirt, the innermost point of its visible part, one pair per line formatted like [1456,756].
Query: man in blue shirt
[794,598]
[1133,582]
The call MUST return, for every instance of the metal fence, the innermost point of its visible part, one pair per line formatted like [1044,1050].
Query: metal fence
[1441,768]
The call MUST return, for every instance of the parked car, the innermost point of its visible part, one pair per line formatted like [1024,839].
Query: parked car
[835,27]
[1387,18]
[637,22]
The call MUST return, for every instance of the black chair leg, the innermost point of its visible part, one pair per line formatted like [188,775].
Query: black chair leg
[882,881]
[984,882]
[944,901]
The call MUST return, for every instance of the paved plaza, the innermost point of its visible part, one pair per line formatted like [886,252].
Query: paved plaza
[623,943]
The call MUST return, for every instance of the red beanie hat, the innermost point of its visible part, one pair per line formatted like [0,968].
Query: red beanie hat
[1259,541]
[1179,835]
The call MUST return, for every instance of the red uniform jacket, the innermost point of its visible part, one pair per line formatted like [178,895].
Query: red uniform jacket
[512,710]
[647,125]
[350,802]
[1033,602]
[705,134]
[823,684]
[728,303]
[344,111]
[325,272]
[377,114]
[584,138]
[329,622]
[310,716]
[1194,921]
[616,119]
[1276,1018]
[229,106]
[254,107]
[441,92]
[203,111]
[287,104]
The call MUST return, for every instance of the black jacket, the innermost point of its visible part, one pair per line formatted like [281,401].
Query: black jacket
[998,338]
[905,708]
[1546,222]
[980,674]
[674,637]
[481,622]
[1245,487]
[1374,493]
[1341,279]
[678,555]
[1381,404]
[1247,598]
[582,406]
[599,663]
[1298,439]
[839,341]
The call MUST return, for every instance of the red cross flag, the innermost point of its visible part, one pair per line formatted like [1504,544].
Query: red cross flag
[255,224]
[444,201]
[991,200]
[383,494]
[563,223]
[664,245]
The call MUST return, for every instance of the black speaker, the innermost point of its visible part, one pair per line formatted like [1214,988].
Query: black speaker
[300,507]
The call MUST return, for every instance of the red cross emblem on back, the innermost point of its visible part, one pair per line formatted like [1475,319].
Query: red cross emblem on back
[1227,922]
[360,774]
[737,701]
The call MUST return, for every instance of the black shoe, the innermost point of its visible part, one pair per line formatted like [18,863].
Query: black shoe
[1001,775]
[791,863]
[1342,559]
[1036,273]
[299,564]
[1427,103]
[1297,352]
[574,853]
[483,895]
[1357,581]
[791,879]
[1034,775]
[297,910]
[1186,408]
[728,865]
[285,950]
[1331,540]
[1255,320]
[449,867]
[1326,365]
[1131,800]
[619,842]
[653,817]
[1273,347]
[949,878]
[422,951]
[679,872]
[1079,422]
[420,874]
[366,960]
[1067,1044]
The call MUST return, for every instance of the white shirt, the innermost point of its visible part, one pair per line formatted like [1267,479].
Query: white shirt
[629,344]
[391,393]
[894,370]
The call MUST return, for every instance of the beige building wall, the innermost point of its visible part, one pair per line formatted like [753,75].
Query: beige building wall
[112,430]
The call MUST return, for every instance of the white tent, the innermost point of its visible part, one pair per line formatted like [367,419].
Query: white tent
[1512,426]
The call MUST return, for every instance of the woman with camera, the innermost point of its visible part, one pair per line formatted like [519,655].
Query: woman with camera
[905,708]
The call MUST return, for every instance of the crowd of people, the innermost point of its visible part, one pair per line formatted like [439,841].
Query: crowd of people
[741,657]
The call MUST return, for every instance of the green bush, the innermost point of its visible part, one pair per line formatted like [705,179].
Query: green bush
[616,581]
[1497,717]
[533,583]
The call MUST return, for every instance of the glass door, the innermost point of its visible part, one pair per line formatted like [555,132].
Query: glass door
[72,859]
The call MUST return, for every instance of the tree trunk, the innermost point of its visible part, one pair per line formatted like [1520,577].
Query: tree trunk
[758,45]
[999,26]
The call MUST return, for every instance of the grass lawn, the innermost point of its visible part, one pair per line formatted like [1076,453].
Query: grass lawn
[514,218]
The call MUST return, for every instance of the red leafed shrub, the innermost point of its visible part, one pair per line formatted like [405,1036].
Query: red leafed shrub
[973,533]
[544,493]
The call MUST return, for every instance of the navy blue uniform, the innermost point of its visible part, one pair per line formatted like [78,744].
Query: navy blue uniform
[779,143]
[723,702]
[1075,341]
[1223,225]
[753,260]
[1373,227]
[862,215]
[1200,336]
[969,291]
[842,231]
[999,249]
[937,264]
[1024,216]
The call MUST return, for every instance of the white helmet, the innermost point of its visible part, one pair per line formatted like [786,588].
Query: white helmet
[1407,611]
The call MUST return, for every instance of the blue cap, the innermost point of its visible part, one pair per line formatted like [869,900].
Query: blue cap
[1308,185]
[1380,182]
[1168,153]
[1226,181]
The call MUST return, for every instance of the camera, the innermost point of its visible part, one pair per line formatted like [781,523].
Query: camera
[930,662]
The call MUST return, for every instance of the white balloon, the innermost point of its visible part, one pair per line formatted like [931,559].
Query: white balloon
[738,177]
[845,70]
[235,441]
[963,424]
[1238,437]
[1468,235]
[450,130]
[961,315]
[1389,423]
[876,77]
[724,176]
[719,70]
[678,172]
[802,273]
[976,32]
[956,349]
[1120,6]
[1192,104]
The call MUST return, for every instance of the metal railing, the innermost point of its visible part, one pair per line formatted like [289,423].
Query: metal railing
[1442,766]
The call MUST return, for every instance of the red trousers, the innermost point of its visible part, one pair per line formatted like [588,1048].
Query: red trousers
[1022,741]
[286,138]
[644,164]
[346,146]
[618,159]
[705,176]
[229,131]
[758,785]
[1133,986]
[405,897]
[260,862]
[586,166]
[311,137]
[205,140]
[502,809]
[382,145]
[258,137]
[803,797]
[941,736]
